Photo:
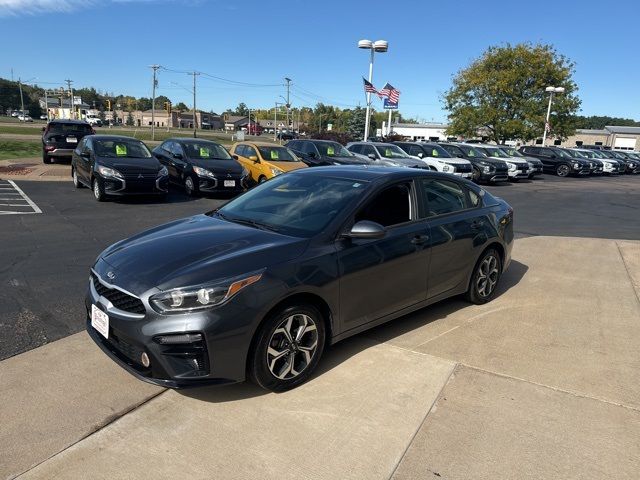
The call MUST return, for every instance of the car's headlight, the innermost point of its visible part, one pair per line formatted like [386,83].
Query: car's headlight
[608,165]
[577,165]
[486,169]
[109,172]
[511,166]
[203,172]
[190,299]
[163,172]
[632,165]
[275,171]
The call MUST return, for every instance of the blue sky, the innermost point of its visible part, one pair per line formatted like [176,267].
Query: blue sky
[108,44]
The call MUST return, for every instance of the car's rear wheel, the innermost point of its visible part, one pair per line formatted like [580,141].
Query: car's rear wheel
[563,170]
[98,190]
[287,348]
[189,186]
[76,182]
[484,280]
[262,179]
[46,159]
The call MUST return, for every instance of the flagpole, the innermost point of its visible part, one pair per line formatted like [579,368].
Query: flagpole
[366,122]
[389,124]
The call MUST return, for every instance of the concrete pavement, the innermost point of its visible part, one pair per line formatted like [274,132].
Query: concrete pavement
[545,386]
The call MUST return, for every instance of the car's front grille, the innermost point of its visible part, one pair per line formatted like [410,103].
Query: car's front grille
[522,168]
[462,168]
[140,176]
[118,298]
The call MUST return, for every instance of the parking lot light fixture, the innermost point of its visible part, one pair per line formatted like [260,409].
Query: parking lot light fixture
[550,91]
[379,46]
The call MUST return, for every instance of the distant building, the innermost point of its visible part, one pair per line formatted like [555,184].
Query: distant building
[59,107]
[418,131]
[616,137]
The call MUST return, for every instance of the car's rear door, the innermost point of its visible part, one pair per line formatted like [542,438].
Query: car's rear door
[459,229]
[381,276]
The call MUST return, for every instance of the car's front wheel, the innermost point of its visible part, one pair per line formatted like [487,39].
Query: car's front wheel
[98,190]
[484,280]
[190,186]
[287,348]
[76,182]
[563,170]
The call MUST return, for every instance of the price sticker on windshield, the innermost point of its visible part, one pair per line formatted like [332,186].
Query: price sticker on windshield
[274,155]
[204,152]
[331,151]
[121,150]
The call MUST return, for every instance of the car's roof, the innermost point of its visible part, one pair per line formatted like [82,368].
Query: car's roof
[366,172]
[62,120]
[113,137]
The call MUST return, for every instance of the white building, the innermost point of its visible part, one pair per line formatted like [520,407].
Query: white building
[418,131]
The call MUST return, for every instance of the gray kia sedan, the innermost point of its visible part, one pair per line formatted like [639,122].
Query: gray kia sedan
[260,287]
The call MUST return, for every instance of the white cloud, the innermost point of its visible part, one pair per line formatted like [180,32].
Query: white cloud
[12,8]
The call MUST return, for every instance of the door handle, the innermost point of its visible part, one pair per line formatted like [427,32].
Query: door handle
[419,239]
[477,225]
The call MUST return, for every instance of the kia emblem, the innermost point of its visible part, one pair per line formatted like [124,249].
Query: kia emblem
[111,275]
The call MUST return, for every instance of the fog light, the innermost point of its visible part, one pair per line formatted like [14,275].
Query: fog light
[144,358]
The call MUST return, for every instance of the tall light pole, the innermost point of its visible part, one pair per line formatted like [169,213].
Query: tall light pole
[153,102]
[194,103]
[288,80]
[275,121]
[72,113]
[551,91]
[380,46]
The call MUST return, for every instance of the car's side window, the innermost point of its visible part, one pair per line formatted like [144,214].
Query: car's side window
[307,147]
[355,148]
[81,146]
[390,207]
[239,150]
[176,149]
[415,150]
[368,150]
[443,196]
[249,152]
[293,145]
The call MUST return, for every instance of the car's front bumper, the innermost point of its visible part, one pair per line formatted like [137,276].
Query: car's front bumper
[217,185]
[135,186]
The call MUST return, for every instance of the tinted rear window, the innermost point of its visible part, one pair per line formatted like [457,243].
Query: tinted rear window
[69,128]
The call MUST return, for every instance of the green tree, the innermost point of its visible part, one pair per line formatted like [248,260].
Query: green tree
[356,122]
[181,107]
[242,110]
[129,121]
[503,94]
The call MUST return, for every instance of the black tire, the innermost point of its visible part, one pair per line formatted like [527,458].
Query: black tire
[190,186]
[563,170]
[46,159]
[515,180]
[485,275]
[74,176]
[98,190]
[304,352]
[262,179]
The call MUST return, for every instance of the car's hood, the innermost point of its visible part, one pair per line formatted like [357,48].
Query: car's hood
[127,165]
[287,166]
[347,160]
[219,167]
[490,160]
[193,251]
[452,160]
[404,161]
[534,160]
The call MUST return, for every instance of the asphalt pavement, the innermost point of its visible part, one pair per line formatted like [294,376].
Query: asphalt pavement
[45,258]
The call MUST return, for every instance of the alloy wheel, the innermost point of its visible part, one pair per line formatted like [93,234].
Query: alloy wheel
[96,190]
[562,170]
[292,346]
[487,276]
[76,183]
[188,185]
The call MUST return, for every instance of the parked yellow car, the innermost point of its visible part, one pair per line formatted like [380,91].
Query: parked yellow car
[265,160]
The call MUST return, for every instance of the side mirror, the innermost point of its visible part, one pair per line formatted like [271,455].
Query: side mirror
[420,154]
[85,154]
[235,157]
[367,229]
[371,156]
[254,159]
[177,156]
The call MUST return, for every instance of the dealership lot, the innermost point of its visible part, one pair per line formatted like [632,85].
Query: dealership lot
[541,382]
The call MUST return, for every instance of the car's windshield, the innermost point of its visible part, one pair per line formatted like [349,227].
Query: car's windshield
[121,148]
[277,154]
[204,150]
[495,152]
[435,151]
[391,151]
[473,152]
[512,152]
[579,154]
[333,149]
[69,128]
[292,204]
[454,150]
[562,154]
[616,155]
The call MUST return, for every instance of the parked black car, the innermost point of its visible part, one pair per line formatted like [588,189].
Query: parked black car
[485,169]
[632,165]
[556,160]
[596,166]
[286,135]
[201,166]
[262,285]
[324,152]
[61,137]
[116,166]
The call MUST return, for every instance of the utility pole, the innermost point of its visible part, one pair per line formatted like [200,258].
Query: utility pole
[288,80]
[21,97]
[71,111]
[46,103]
[155,68]
[194,103]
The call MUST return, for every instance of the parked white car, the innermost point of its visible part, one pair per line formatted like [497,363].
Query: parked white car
[93,120]
[518,167]
[25,118]
[437,158]
[385,155]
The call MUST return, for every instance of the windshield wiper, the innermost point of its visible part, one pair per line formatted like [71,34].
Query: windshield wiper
[251,223]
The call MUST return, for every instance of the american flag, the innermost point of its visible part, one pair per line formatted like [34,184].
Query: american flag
[369,88]
[390,92]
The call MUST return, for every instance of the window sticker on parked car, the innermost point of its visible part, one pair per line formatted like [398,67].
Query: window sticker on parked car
[121,150]
[331,151]
[274,155]
[204,152]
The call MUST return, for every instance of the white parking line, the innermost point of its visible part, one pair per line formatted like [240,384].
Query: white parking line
[11,193]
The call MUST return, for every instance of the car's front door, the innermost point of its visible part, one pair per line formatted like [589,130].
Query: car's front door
[83,164]
[459,228]
[382,276]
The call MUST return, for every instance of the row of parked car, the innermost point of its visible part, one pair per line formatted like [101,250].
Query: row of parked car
[115,165]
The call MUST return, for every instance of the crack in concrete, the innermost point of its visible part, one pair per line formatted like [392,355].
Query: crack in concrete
[626,267]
